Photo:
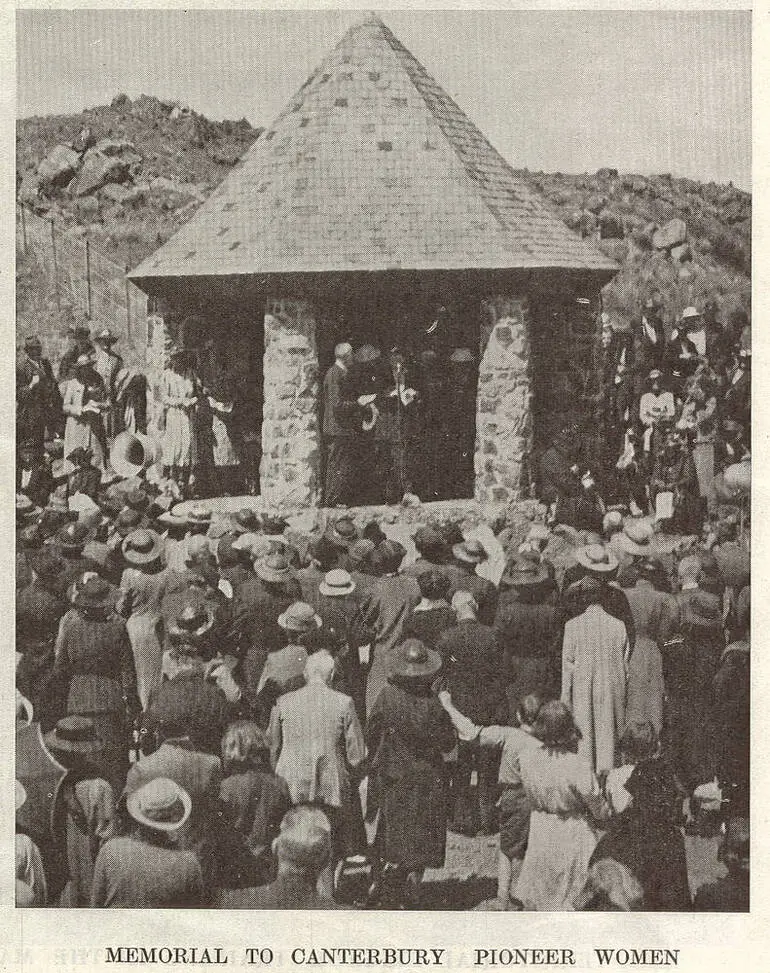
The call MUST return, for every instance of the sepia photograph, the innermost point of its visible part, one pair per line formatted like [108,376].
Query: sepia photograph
[383,464]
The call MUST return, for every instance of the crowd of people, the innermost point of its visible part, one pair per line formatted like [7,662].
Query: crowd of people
[234,713]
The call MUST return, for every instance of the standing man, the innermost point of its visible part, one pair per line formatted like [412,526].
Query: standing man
[38,405]
[107,365]
[338,436]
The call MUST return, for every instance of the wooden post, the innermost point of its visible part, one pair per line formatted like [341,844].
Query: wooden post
[55,265]
[23,229]
[88,277]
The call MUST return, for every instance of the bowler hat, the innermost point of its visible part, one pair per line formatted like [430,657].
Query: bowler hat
[336,583]
[161,804]
[299,617]
[412,659]
[74,734]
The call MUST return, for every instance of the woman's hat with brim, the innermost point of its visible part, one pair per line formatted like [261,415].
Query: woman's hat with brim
[636,536]
[412,659]
[76,735]
[198,515]
[161,805]
[524,571]
[193,622]
[342,533]
[72,538]
[337,583]
[93,592]
[299,617]
[597,559]
[142,547]
[470,552]
[274,568]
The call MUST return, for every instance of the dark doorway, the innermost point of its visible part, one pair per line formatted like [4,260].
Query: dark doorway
[429,324]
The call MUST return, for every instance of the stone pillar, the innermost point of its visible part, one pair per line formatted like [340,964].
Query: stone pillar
[503,422]
[289,469]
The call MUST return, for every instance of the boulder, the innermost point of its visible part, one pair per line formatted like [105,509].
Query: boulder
[116,192]
[112,147]
[607,173]
[121,102]
[670,234]
[58,167]
[97,171]
[681,253]
[611,226]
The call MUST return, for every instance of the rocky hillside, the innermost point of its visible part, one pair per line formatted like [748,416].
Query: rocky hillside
[129,174]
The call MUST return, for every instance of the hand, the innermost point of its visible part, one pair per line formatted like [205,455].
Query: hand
[445,697]
[221,675]
[35,381]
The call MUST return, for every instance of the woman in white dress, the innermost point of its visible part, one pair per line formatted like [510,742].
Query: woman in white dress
[179,398]
[85,399]
[567,806]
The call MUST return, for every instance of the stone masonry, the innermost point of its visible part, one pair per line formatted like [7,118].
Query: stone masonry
[289,470]
[503,422]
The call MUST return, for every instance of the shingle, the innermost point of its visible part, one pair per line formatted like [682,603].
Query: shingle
[401,178]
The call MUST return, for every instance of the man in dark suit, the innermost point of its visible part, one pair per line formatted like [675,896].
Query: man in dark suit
[38,403]
[338,435]
[473,667]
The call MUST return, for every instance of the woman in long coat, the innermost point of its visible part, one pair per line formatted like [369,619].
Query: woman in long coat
[567,805]
[93,660]
[407,734]
[179,397]
[143,585]
[594,659]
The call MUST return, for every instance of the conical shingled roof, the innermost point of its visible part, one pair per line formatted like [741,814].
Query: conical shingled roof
[371,166]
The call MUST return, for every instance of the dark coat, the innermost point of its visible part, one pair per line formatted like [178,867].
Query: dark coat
[485,593]
[557,481]
[473,669]
[427,626]
[257,606]
[189,705]
[529,635]
[286,892]
[332,385]
[40,486]
[406,734]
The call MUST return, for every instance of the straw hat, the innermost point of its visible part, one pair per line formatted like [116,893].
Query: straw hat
[299,617]
[141,547]
[412,659]
[74,734]
[336,583]
[161,805]
[199,515]
[636,536]
[597,559]
[470,552]
[690,314]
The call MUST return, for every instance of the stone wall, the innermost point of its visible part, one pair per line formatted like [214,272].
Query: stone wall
[503,421]
[289,470]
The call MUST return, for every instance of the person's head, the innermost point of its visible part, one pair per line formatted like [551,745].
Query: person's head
[303,845]
[689,570]
[298,620]
[528,709]
[555,726]
[388,556]
[434,585]
[735,846]
[656,380]
[465,606]
[319,668]
[244,746]
[33,347]
[374,533]
[83,366]
[159,808]
[360,555]
[323,553]
[639,742]
[343,352]
[430,545]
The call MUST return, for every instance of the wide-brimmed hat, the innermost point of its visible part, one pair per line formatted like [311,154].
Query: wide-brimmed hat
[655,374]
[127,521]
[105,336]
[299,617]
[93,592]
[72,538]
[26,509]
[343,532]
[246,521]
[597,559]
[46,564]
[83,361]
[161,804]
[198,514]
[636,536]
[412,659]
[470,552]
[193,622]
[337,582]
[273,568]
[523,571]
[690,314]
[74,734]
[142,547]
